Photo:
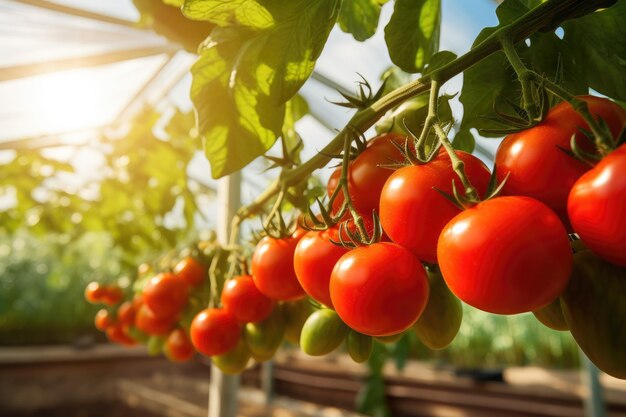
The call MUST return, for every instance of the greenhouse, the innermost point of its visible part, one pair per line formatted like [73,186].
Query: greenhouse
[312,208]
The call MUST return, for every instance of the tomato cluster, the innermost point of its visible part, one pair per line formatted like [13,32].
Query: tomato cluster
[504,254]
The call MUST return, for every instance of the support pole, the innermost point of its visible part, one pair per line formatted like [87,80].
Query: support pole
[594,400]
[223,388]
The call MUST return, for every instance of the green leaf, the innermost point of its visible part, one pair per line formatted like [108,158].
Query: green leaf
[600,41]
[464,141]
[412,34]
[244,78]
[359,17]
[438,60]
[249,13]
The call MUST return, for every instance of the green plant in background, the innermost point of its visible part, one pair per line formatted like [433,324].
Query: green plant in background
[42,281]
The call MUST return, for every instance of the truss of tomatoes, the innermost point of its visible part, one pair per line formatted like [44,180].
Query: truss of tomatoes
[508,254]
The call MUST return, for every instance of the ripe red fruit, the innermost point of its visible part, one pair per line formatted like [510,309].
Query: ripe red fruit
[506,255]
[314,260]
[126,313]
[166,294]
[178,347]
[243,299]
[368,172]
[149,323]
[191,271]
[536,166]
[272,268]
[379,290]
[94,292]
[112,295]
[103,319]
[214,331]
[597,207]
[413,212]
[117,333]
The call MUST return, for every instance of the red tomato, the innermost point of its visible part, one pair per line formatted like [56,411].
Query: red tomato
[413,213]
[314,260]
[178,347]
[507,255]
[214,331]
[243,299]
[149,323]
[367,174]
[272,268]
[166,294]
[597,207]
[379,290]
[126,313]
[191,271]
[117,333]
[103,319]
[94,292]
[538,168]
[112,295]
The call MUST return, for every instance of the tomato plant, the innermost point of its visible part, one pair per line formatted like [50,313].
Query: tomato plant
[379,290]
[597,207]
[413,212]
[178,346]
[149,323]
[507,255]
[103,319]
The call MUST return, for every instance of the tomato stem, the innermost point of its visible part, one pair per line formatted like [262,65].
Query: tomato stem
[524,75]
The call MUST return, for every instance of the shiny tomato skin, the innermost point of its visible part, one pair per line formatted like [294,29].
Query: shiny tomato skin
[413,212]
[149,323]
[536,166]
[126,313]
[272,268]
[597,207]
[166,294]
[117,333]
[112,295]
[379,290]
[178,346]
[244,301]
[506,255]
[94,292]
[367,173]
[214,331]
[191,271]
[314,260]
[103,319]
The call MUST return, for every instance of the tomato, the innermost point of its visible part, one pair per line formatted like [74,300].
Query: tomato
[191,271]
[379,290]
[367,173]
[536,166]
[166,294]
[506,255]
[214,331]
[597,207]
[359,346]
[117,333]
[244,300]
[272,268]
[322,333]
[263,339]
[314,260]
[112,295]
[295,313]
[234,361]
[178,346]
[94,292]
[126,313]
[413,213]
[103,319]
[149,323]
